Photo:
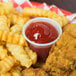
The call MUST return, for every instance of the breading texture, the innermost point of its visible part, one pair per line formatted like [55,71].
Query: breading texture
[20,54]
[73,73]
[16,57]
[34,72]
[71,29]
[62,59]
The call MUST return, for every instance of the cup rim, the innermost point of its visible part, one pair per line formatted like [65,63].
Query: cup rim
[41,44]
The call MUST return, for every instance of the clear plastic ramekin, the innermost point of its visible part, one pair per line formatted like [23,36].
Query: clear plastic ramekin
[38,47]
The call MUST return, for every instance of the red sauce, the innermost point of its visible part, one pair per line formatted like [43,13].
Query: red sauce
[31,17]
[41,32]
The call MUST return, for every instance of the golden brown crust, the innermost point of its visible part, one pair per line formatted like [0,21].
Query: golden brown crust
[63,57]
[71,29]
[34,72]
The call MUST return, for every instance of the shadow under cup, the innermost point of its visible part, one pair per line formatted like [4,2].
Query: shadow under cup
[42,50]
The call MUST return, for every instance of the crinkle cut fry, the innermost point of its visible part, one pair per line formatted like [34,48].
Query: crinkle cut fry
[12,38]
[3,53]
[16,71]
[6,64]
[18,20]
[31,54]
[6,8]
[44,13]
[20,54]
[6,74]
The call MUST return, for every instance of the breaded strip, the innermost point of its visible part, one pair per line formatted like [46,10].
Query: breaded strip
[62,59]
[44,13]
[71,29]
[34,72]
[73,73]
[20,54]
[6,64]
[64,40]
[13,38]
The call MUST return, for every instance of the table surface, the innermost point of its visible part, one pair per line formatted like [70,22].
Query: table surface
[69,5]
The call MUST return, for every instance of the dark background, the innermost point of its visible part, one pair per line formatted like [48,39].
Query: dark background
[69,5]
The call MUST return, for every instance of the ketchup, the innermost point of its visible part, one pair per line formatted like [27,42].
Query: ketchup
[41,32]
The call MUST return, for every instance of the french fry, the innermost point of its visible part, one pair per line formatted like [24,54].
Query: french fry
[44,13]
[13,38]
[4,25]
[31,54]
[6,64]
[16,71]
[3,20]
[20,54]
[6,8]
[6,74]
[19,20]
[35,12]
[3,53]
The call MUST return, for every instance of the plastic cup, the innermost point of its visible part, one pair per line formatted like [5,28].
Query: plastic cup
[42,50]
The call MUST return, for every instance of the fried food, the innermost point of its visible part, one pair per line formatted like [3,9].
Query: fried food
[21,55]
[71,29]
[3,53]
[6,64]
[18,25]
[16,71]
[31,54]
[4,25]
[6,8]
[73,73]
[16,29]
[63,57]
[16,57]
[64,40]
[44,13]
[12,38]
[34,72]
[6,74]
